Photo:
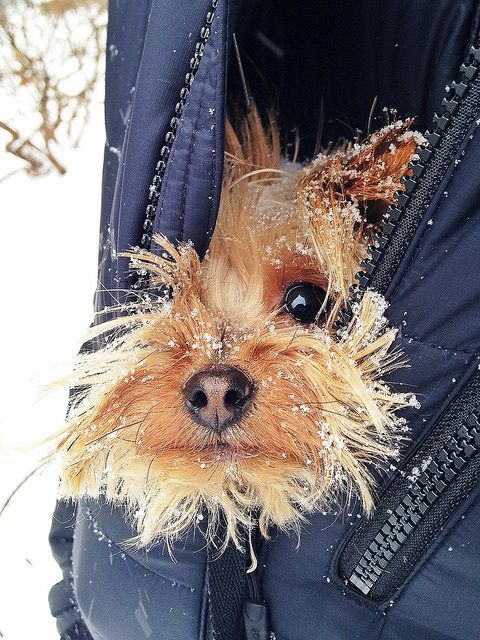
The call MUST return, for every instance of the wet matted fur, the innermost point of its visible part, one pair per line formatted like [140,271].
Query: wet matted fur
[320,415]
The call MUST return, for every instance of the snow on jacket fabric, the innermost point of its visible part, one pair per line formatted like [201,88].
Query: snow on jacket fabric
[332,59]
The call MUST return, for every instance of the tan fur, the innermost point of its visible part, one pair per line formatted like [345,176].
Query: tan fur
[320,415]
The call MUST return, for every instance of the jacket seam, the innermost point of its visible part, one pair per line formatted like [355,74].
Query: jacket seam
[188,162]
[211,212]
[174,583]
[448,350]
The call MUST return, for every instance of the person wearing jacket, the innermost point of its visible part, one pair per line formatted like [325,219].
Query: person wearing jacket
[413,569]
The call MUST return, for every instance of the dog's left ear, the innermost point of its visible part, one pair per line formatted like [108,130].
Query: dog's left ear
[367,173]
[373,172]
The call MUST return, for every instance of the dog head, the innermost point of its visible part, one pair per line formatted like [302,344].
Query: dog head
[233,397]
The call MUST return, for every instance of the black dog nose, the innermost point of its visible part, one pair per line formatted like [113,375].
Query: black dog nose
[216,398]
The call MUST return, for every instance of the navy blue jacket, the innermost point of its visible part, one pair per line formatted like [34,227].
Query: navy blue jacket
[326,61]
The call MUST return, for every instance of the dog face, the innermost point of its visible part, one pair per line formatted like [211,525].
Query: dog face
[234,397]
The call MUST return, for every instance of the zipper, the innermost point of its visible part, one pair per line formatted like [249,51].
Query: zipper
[141,281]
[459,110]
[382,552]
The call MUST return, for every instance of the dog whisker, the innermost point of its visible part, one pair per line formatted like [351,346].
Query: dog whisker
[112,431]
[142,422]
[149,468]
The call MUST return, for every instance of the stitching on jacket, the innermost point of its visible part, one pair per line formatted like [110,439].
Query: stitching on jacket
[188,161]
[448,351]
[108,539]
[214,176]
[211,212]
[115,222]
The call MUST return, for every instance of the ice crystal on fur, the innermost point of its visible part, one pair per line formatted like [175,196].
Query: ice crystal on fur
[320,416]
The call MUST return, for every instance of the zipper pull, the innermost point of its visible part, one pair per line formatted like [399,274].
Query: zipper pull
[255,617]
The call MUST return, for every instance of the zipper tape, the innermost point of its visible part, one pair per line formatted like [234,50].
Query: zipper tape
[383,552]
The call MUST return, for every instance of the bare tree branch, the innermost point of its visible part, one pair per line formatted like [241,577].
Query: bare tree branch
[51,67]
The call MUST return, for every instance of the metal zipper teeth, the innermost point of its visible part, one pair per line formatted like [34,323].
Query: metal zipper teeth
[369,276]
[141,282]
[432,483]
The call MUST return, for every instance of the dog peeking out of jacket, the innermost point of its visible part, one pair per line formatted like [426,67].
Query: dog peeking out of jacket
[234,399]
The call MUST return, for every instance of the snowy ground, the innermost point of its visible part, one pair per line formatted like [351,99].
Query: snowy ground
[49,230]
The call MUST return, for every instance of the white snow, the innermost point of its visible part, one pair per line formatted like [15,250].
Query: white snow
[49,232]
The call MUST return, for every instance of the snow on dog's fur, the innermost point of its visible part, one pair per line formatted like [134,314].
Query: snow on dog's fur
[318,413]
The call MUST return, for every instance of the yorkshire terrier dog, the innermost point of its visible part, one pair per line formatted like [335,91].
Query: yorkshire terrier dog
[234,398]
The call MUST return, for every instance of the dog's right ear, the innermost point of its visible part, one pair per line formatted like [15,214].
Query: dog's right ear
[251,145]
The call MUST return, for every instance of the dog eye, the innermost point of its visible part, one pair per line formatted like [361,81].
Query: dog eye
[304,301]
